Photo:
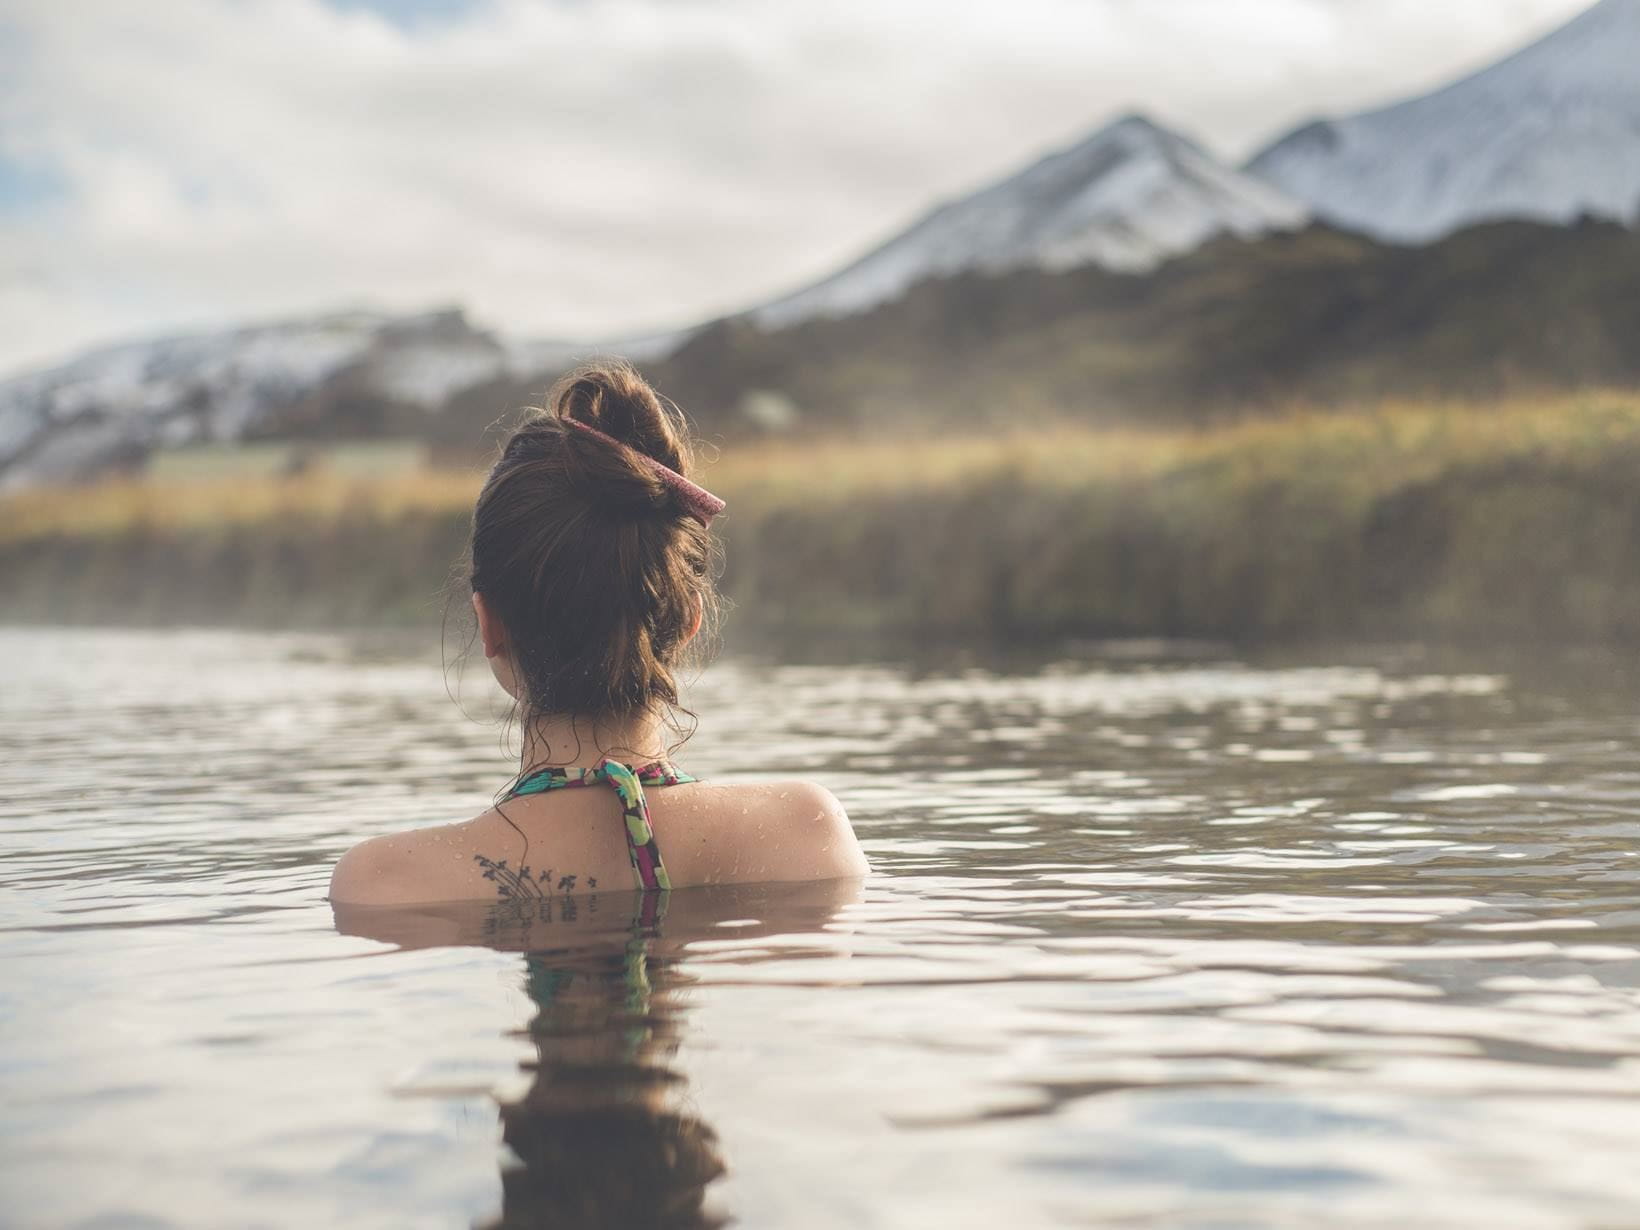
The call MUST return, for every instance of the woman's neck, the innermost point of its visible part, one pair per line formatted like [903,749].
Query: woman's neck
[570,741]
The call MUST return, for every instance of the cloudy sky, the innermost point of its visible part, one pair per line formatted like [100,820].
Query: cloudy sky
[586,168]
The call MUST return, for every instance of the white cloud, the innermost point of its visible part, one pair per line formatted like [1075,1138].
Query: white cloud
[582,168]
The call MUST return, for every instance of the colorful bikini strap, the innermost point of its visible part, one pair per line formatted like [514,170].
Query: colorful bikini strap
[641,846]
[628,784]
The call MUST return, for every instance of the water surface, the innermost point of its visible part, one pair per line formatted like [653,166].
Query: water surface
[1155,937]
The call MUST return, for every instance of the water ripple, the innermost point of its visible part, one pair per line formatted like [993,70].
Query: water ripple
[1177,939]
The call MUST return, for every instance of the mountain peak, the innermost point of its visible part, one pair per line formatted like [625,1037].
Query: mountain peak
[1132,135]
[121,401]
[1551,132]
[1597,49]
[1626,13]
[1135,124]
[1127,197]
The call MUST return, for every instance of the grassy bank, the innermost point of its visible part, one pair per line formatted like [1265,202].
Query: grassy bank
[1462,522]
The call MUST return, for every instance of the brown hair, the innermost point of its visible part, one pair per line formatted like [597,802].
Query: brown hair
[595,570]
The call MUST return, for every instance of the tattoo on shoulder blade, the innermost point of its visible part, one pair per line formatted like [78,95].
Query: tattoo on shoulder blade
[523,884]
[515,883]
[527,897]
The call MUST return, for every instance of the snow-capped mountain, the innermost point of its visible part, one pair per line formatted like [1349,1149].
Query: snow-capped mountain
[1127,198]
[122,401]
[1549,133]
[118,403]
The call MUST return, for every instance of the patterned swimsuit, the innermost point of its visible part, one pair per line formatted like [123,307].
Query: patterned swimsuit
[628,784]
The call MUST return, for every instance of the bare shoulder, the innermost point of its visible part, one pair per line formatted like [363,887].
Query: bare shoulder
[811,802]
[801,829]
[387,870]
[817,811]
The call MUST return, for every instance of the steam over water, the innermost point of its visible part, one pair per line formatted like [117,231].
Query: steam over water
[1346,939]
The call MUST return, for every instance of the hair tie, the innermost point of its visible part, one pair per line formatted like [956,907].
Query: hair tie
[700,503]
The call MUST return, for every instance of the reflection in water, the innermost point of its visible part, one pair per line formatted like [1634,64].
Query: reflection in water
[603,1137]
[597,1136]
[1154,939]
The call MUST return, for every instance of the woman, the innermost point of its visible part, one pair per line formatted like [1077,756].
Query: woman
[590,577]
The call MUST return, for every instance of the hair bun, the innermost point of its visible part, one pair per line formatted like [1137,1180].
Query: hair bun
[612,398]
[587,553]
[615,399]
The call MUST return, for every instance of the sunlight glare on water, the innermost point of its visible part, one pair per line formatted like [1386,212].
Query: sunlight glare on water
[1351,940]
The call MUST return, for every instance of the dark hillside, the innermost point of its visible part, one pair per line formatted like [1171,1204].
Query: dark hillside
[1320,316]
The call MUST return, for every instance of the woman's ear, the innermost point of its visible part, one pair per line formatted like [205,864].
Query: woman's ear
[490,630]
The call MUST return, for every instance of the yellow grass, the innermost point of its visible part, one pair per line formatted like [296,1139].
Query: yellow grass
[1347,448]
[122,506]
[1516,520]
[1409,436]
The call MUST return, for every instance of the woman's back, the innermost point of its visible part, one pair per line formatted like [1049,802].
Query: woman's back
[591,571]
[576,841]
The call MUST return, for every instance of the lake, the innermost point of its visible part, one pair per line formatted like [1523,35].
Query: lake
[1156,935]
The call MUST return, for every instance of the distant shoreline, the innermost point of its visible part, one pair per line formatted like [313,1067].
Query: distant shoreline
[1465,523]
